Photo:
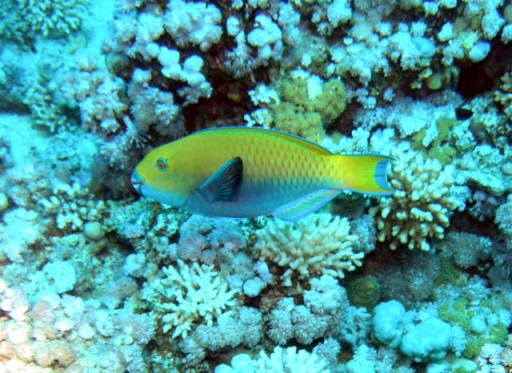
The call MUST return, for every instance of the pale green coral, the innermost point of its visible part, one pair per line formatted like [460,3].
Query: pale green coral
[440,148]
[462,313]
[308,105]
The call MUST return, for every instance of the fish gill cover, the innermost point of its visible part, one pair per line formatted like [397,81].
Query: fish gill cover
[96,278]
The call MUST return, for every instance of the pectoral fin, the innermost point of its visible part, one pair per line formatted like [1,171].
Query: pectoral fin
[224,184]
[305,205]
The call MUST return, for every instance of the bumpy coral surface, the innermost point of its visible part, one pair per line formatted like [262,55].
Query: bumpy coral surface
[96,278]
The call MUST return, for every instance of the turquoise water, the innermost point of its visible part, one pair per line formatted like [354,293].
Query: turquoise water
[96,277]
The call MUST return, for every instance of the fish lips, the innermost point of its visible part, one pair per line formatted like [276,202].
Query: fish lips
[165,197]
[137,182]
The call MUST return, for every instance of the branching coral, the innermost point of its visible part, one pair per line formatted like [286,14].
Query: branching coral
[303,104]
[281,360]
[426,194]
[187,295]
[203,239]
[148,227]
[496,358]
[122,112]
[41,101]
[53,18]
[317,244]
[324,308]
[26,20]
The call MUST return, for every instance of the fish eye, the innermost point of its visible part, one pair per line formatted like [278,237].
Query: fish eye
[162,164]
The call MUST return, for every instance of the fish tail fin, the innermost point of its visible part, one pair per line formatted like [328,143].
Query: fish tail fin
[364,173]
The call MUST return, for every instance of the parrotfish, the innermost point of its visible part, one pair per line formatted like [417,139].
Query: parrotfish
[247,172]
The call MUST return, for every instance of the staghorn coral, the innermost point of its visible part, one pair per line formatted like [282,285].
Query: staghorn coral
[187,295]
[426,194]
[317,244]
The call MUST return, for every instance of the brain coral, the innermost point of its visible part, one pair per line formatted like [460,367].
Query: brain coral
[317,244]
[426,194]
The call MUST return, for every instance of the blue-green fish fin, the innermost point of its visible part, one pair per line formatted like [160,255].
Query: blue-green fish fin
[224,184]
[305,205]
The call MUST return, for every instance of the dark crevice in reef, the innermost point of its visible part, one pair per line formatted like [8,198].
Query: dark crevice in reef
[480,77]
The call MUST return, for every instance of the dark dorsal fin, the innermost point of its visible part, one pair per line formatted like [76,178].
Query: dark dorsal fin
[224,184]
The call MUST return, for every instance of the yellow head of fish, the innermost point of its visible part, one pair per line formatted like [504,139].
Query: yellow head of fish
[162,175]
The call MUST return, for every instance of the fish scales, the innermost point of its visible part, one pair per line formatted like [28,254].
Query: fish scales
[275,169]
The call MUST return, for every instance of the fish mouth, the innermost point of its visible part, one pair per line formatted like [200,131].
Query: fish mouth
[137,181]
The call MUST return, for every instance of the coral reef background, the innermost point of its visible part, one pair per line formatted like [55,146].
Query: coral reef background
[94,278]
